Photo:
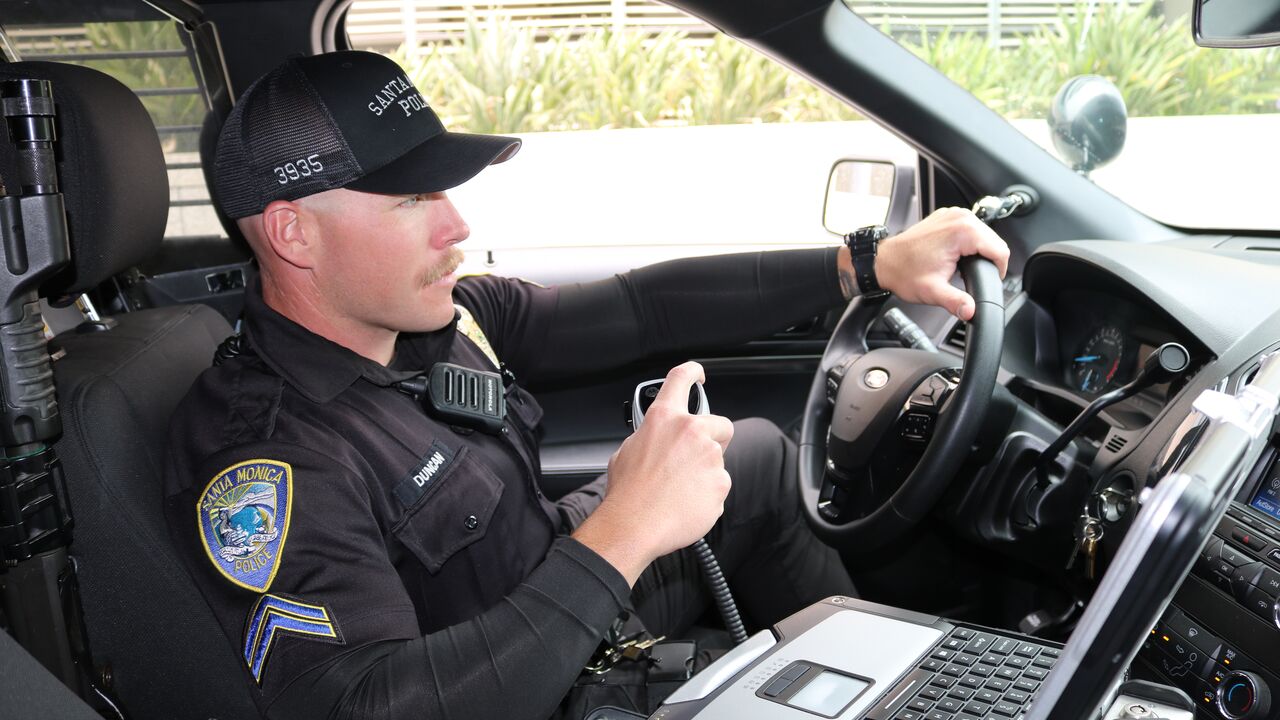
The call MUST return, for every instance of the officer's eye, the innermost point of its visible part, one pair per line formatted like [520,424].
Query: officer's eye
[411,201]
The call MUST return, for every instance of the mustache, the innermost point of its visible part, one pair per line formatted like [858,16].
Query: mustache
[450,262]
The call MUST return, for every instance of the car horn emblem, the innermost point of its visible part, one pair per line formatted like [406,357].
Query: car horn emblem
[876,378]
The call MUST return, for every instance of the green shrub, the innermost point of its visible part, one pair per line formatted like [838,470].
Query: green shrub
[498,78]
[1156,66]
[143,73]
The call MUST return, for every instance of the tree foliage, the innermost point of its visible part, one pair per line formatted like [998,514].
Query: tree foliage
[501,78]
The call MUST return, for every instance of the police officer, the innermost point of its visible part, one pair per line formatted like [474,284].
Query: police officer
[369,557]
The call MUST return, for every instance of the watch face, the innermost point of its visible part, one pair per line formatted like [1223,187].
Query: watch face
[863,240]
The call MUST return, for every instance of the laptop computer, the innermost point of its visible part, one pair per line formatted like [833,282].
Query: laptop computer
[850,659]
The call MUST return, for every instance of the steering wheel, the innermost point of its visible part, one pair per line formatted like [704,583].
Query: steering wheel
[928,399]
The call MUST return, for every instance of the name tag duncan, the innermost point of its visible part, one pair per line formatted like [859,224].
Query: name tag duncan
[434,464]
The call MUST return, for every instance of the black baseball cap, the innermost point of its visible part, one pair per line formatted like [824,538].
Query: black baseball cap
[340,120]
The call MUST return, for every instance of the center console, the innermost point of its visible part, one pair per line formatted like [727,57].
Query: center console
[1220,638]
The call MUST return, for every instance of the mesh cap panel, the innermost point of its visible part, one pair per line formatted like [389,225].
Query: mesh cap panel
[280,143]
[348,119]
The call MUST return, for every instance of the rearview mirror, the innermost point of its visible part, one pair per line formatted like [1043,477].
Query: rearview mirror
[1236,23]
[858,194]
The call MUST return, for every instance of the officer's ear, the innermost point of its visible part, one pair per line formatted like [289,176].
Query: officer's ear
[285,234]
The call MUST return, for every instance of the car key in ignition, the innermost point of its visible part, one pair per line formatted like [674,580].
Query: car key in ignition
[645,394]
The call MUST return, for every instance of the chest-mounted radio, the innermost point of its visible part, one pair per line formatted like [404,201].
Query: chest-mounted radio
[460,396]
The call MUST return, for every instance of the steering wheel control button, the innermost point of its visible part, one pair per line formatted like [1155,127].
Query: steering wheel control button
[931,393]
[917,427]
[876,378]
[1243,696]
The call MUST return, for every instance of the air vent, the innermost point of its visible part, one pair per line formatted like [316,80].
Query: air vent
[958,337]
[1116,443]
[1248,377]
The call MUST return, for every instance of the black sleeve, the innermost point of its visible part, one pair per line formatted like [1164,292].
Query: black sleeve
[578,504]
[517,660]
[680,305]
[321,617]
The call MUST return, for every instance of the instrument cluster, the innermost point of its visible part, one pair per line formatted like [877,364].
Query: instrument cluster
[1103,340]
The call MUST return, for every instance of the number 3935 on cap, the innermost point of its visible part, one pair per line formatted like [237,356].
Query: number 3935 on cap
[341,120]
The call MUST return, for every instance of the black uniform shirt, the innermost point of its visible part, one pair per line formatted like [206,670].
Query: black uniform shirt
[323,511]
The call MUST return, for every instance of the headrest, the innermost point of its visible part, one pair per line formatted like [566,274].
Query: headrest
[111,170]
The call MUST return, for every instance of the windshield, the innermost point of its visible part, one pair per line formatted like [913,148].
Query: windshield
[1200,147]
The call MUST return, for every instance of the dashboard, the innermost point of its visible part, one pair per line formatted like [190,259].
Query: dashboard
[1218,640]
[1090,314]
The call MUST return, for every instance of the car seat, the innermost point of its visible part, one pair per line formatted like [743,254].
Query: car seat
[118,382]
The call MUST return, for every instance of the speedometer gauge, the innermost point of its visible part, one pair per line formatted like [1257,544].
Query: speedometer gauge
[1095,366]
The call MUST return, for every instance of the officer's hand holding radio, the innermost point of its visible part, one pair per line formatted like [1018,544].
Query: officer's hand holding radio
[667,483]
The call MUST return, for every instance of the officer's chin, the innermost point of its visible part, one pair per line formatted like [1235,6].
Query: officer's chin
[439,310]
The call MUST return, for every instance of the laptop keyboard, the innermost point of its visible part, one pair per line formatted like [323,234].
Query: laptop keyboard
[970,675]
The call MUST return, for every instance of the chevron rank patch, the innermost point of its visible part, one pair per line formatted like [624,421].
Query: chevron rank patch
[275,615]
[244,520]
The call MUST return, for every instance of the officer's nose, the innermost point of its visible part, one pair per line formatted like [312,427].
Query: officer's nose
[450,229]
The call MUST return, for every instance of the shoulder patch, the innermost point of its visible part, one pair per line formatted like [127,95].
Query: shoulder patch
[243,516]
[274,614]
[468,326]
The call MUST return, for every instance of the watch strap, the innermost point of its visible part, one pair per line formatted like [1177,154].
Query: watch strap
[863,245]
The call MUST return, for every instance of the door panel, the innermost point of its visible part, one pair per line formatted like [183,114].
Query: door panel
[584,424]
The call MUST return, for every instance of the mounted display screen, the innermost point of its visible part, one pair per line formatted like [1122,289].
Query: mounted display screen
[1267,499]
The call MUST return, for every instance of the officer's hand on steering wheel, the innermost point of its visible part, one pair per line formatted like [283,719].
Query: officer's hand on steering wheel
[917,265]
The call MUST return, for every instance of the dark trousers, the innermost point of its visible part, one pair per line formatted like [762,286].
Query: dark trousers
[775,565]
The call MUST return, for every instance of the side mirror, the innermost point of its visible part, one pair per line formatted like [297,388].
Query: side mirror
[867,192]
[1236,23]
[1089,122]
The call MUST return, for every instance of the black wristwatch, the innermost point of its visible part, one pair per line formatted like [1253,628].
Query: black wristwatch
[863,243]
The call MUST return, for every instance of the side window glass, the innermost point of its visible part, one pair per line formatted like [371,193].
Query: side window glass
[642,125]
[151,59]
